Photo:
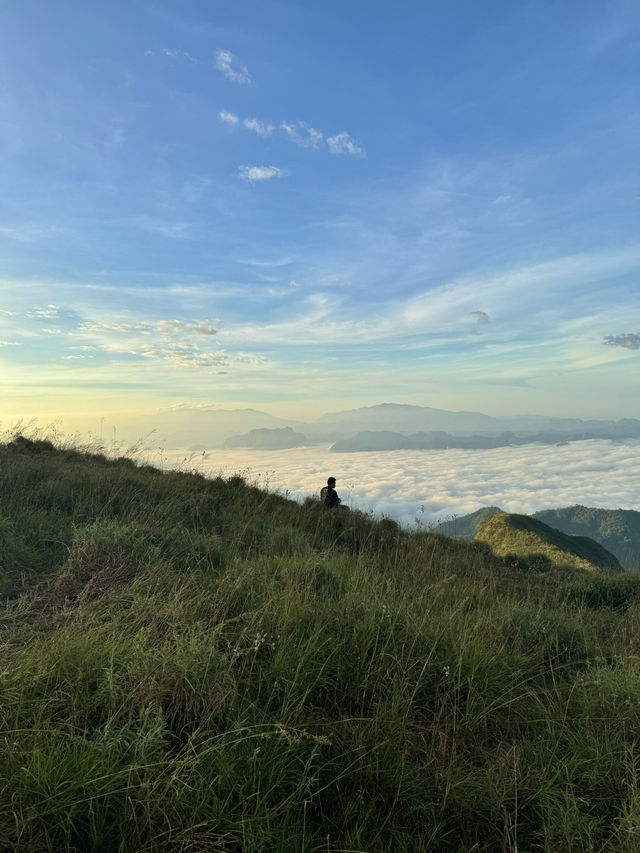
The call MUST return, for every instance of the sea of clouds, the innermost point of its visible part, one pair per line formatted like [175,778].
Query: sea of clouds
[427,486]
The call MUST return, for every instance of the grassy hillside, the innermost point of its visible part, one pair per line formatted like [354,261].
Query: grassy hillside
[521,536]
[198,665]
[618,530]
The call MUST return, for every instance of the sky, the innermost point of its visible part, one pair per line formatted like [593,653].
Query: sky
[303,207]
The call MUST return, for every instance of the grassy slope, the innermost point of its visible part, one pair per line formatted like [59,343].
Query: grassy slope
[522,535]
[195,665]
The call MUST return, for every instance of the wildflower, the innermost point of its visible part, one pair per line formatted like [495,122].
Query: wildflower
[446,671]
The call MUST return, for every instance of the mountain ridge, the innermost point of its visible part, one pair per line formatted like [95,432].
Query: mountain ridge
[527,538]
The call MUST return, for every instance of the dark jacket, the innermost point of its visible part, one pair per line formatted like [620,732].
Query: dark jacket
[329,497]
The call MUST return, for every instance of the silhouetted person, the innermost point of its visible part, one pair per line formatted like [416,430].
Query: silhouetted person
[328,494]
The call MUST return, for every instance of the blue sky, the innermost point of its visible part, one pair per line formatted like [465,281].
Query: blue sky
[304,207]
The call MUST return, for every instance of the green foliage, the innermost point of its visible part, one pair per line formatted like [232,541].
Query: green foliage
[199,665]
[618,530]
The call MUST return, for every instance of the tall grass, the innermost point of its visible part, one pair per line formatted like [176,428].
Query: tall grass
[199,665]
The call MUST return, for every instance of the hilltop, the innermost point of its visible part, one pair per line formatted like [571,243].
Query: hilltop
[195,664]
[268,439]
[466,526]
[521,535]
[617,530]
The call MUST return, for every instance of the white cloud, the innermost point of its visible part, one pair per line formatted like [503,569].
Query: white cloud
[283,291]
[10,344]
[224,63]
[177,342]
[260,173]
[430,486]
[176,53]
[228,118]
[48,312]
[167,327]
[260,127]
[302,134]
[172,53]
[343,143]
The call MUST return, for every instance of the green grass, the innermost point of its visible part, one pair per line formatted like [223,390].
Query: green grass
[199,665]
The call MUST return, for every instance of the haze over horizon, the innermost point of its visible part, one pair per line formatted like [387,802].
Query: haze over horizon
[304,209]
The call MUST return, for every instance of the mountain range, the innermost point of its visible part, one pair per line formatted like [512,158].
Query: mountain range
[205,427]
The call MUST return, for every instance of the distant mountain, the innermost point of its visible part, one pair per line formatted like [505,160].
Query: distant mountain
[618,530]
[189,426]
[524,536]
[439,440]
[466,526]
[406,420]
[268,439]
[434,440]
[208,426]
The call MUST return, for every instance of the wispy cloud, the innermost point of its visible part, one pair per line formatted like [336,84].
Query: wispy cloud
[225,64]
[48,312]
[481,317]
[228,118]
[629,340]
[343,143]
[303,135]
[260,173]
[33,232]
[284,261]
[10,343]
[172,53]
[167,327]
[260,127]
[176,53]
[175,341]
[284,291]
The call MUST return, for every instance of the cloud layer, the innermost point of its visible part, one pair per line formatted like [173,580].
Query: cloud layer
[426,487]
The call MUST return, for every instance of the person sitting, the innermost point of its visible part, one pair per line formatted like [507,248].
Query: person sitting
[328,494]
